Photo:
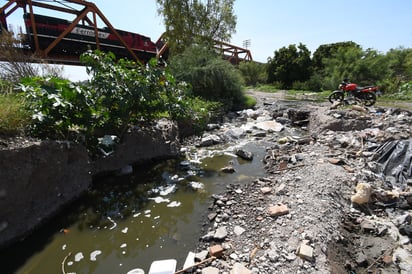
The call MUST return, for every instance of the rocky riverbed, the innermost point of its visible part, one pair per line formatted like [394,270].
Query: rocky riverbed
[336,200]
[336,197]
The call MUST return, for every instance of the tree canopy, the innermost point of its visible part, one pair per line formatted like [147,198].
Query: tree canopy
[290,64]
[293,67]
[196,22]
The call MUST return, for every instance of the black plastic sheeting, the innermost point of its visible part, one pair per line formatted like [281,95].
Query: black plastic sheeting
[395,161]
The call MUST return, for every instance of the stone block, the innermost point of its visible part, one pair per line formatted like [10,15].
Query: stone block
[278,210]
[266,190]
[216,251]
[305,252]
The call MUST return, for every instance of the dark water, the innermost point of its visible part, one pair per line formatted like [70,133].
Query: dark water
[127,222]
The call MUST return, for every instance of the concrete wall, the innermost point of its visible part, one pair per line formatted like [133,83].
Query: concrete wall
[37,179]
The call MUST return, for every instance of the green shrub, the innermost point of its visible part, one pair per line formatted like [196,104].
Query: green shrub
[404,92]
[13,117]
[120,93]
[210,77]
[198,113]
[250,101]
[6,87]
[253,73]
[57,107]
[126,92]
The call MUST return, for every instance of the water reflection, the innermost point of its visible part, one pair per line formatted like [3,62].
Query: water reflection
[129,221]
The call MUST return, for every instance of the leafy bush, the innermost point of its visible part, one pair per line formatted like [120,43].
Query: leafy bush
[404,92]
[250,101]
[120,93]
[125,92]
[198,114]
[57,106]
[211,77]
[253,73]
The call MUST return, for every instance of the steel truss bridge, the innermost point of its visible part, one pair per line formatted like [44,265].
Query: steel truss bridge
[60,41]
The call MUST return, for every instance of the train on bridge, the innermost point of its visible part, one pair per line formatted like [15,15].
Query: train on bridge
[56,40]
[83,37]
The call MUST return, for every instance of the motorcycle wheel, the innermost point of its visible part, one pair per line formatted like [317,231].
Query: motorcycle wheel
[369,99]
[335,96]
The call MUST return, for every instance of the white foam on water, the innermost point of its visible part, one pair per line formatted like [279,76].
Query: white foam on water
[78,257]
[94,254]
[167,190]
[174,204]
[159,200]
[196,185]
[113,222]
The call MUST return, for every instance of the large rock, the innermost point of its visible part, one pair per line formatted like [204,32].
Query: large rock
[141,145]
[270,126]
[36,181]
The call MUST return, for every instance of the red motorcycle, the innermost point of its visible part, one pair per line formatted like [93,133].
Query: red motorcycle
[354,94]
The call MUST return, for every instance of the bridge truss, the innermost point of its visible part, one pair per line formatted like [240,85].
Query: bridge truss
[86,14]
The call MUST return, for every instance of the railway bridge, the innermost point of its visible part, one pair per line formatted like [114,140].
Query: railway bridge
[60,41]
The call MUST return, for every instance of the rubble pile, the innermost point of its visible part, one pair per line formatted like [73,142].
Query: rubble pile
[337,200]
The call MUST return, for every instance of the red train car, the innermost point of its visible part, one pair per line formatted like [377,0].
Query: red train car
[82,38]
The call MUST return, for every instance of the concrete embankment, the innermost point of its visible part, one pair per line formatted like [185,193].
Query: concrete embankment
[39,178]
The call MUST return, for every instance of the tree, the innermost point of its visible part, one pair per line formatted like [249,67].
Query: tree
[400,63]
[289,65]
[196,22]
[361,66]
[253,72]
[17,65]
[327,51]
[399,69]
[211,77]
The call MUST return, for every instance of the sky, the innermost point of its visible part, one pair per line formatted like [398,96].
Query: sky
[272,24]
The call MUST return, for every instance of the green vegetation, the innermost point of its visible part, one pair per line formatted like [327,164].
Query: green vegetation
[401,99]
[267,88]
[250,102]
[13,117]
[210,77]
[5,87]
[253,73]
[292,68]
[120,93]
[289,65]
[196,22]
